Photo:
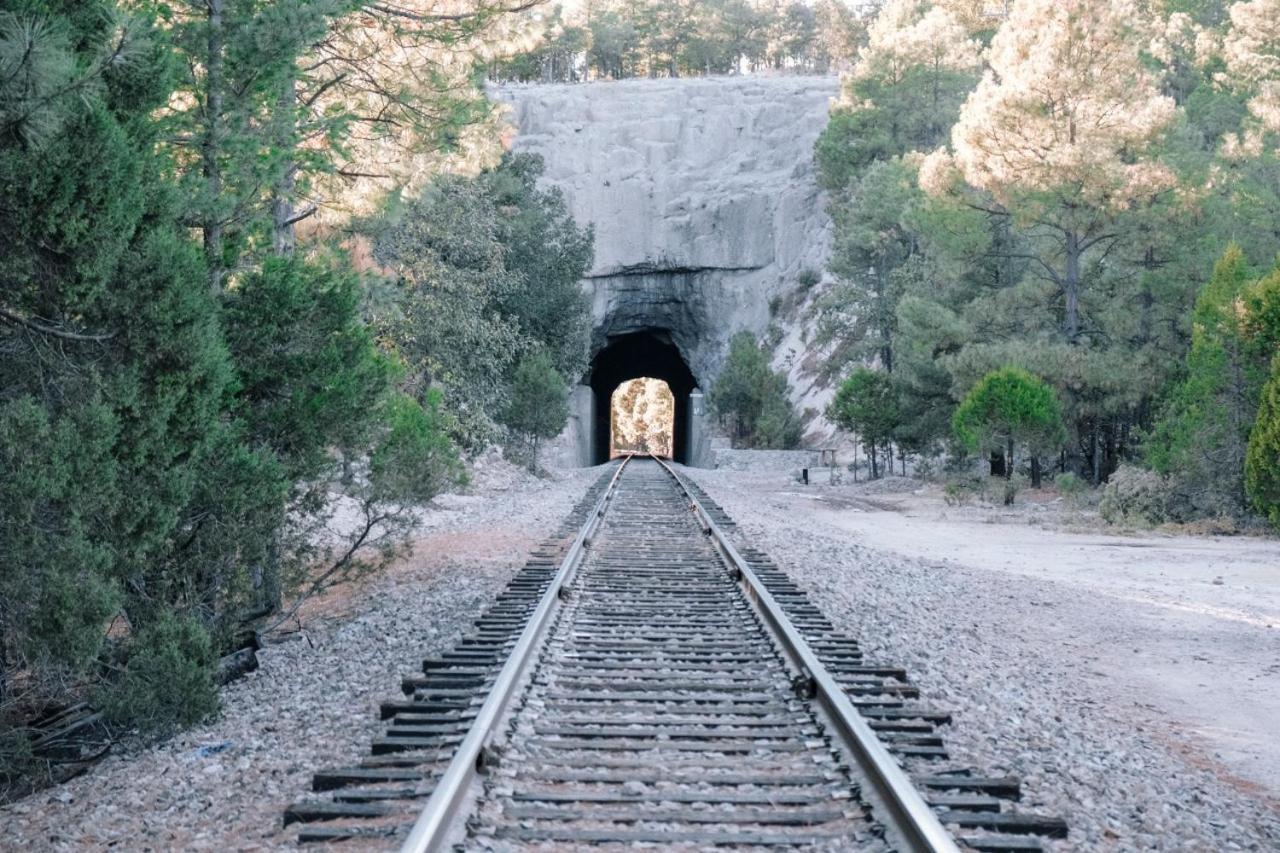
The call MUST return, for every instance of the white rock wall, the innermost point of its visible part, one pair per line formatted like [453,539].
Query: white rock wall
[701,191]
[705,204]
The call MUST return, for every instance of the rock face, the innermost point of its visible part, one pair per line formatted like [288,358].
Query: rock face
[707,211]
[701,191]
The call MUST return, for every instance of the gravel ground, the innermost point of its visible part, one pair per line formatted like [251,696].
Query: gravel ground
[1014,658]
[312,704]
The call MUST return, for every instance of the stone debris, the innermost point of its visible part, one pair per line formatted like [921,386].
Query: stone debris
[312,704]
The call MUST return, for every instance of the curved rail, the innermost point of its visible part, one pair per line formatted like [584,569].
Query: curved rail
[895,793]
[431,830]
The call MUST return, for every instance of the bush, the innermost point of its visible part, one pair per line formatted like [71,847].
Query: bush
[168,679]
[1135,495]
[1009,488]
[960,490]
[1071,487]
[779,425]
[414,460]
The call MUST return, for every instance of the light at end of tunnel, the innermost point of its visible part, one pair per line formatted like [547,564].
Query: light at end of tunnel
[642,418]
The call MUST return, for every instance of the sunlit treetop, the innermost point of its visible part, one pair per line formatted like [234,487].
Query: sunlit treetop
[1251,49]
[1067,109]
[911,33]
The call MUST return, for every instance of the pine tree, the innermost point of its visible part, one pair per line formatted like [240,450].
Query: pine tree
[114,369]
[752,396]
[1007,409]
[1201,438]
[539,406]
[1063,131]
[866,405]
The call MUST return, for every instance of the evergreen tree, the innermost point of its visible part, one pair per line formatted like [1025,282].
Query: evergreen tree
[1007,409]
[114,369]
[866,405]
[1262,461]
[754,398]
[539,407]
[1201,437]
[489,269]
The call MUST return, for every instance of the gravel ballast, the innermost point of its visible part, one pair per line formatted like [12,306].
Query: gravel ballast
[313,702]
[1010,656]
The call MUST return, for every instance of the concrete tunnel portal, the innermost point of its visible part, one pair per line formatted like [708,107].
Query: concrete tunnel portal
[649,353]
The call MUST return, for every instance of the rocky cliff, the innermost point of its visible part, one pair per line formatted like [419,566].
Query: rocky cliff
[703,197]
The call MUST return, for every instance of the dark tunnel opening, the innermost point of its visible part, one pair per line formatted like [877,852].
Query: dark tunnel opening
[649,353]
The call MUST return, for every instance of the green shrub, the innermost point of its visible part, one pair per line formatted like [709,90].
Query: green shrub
[1136,495]
[1009,488]
[167,680]
[961,489]
[1071,487]
[1262,461]
[18,762]
[779,426]
[414,460]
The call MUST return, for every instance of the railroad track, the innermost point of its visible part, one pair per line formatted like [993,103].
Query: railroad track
[643,683]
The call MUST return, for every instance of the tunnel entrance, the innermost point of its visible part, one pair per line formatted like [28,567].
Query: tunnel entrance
[642,418]
[649,354]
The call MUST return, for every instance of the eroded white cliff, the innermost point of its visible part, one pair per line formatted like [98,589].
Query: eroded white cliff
[703,196]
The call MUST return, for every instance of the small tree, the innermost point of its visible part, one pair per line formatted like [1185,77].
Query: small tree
[1200,439]
[1262,462]
[754,397]
[779,426]
[539,407]
[867,404]
[1007,408]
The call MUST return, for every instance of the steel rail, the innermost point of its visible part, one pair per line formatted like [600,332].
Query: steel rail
[913,818]
[431,830]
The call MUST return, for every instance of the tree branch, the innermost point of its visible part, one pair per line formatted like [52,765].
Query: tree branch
[408,14]
[37,326]
[309,210]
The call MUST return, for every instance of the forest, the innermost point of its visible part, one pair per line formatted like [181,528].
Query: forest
[248,325]
[617,39]
[1056,243]
[267,281]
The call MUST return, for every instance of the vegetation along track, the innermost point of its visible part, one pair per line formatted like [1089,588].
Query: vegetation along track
[643,682]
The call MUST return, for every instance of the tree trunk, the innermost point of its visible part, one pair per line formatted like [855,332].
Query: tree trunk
[1035,472]
[1008,459]
[1097,457]
[211,169]
[997,464]
[1071,288]
[283,236]
[886,331]
[875,460]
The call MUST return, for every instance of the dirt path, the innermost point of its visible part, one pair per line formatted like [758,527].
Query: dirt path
[1202,647]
